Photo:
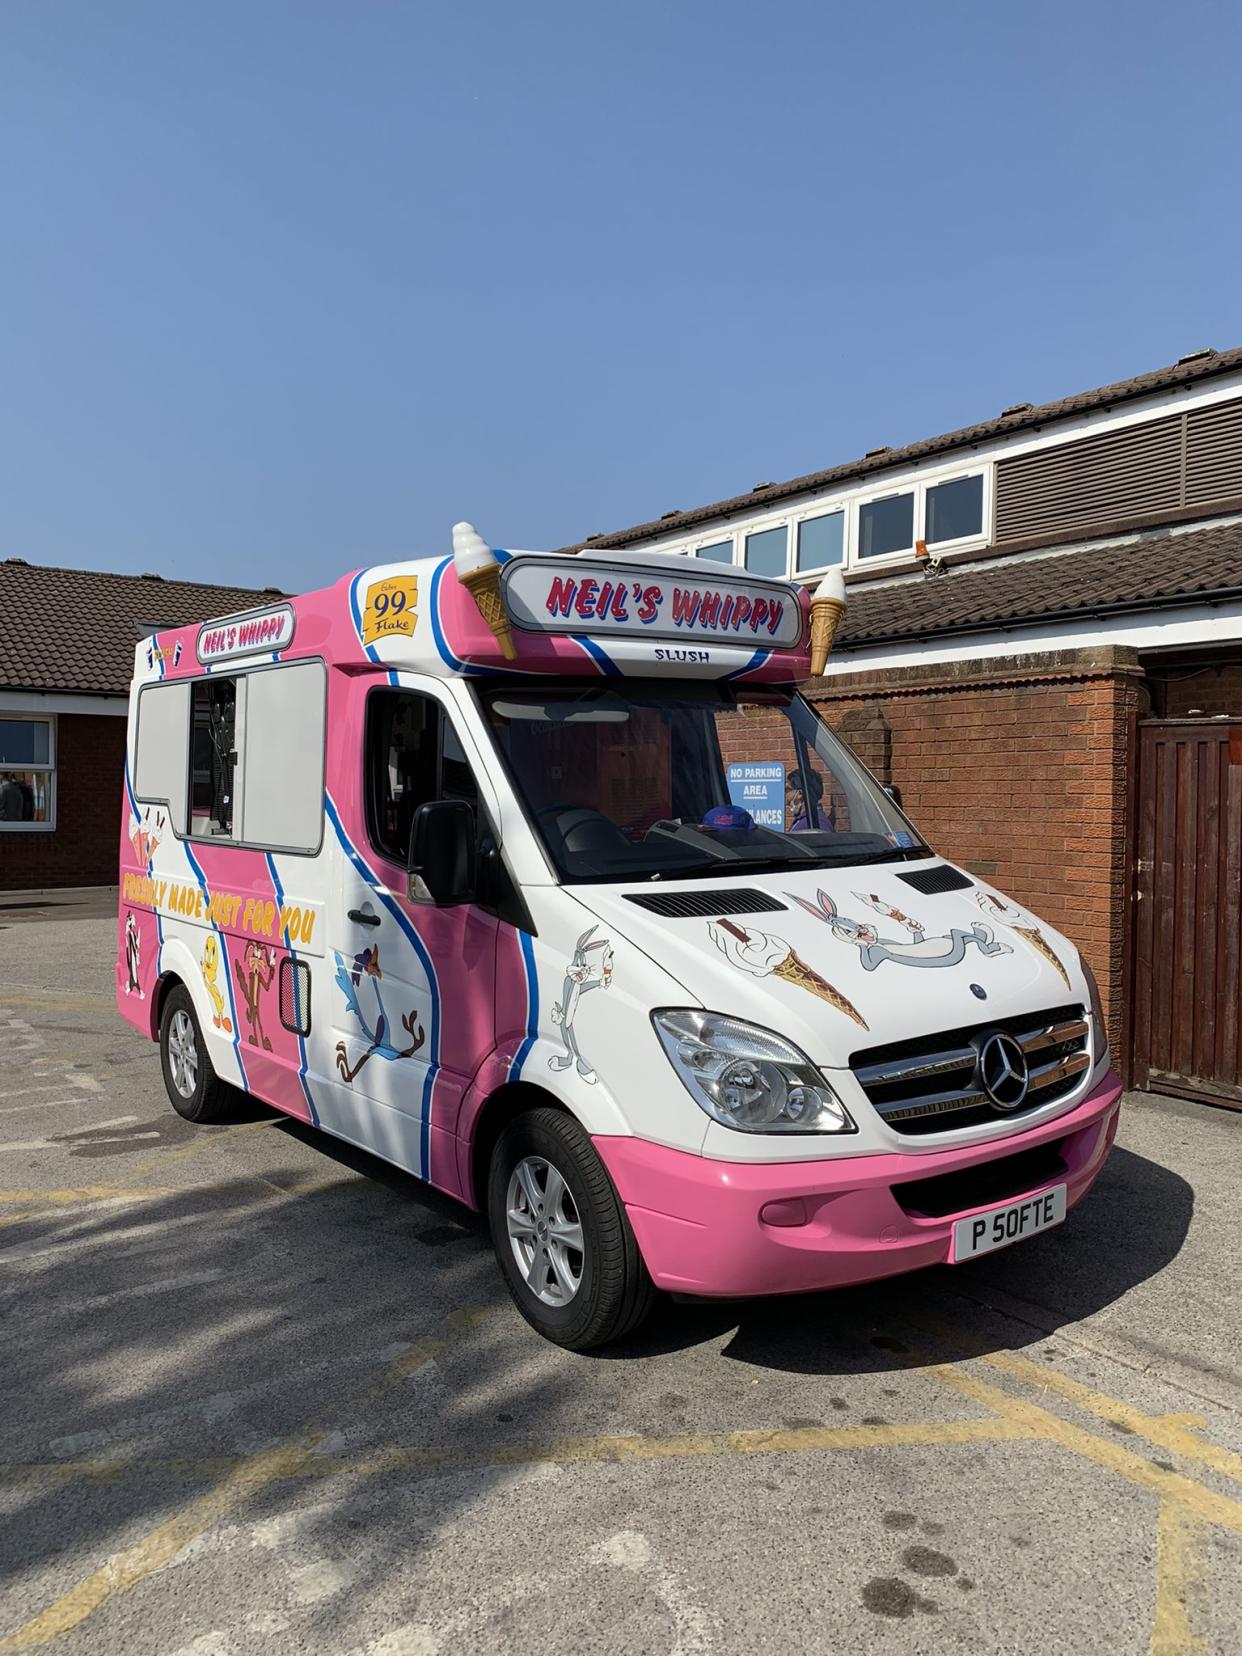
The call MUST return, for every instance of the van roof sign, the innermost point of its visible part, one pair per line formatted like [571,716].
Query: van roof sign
[247,634]
[558,595]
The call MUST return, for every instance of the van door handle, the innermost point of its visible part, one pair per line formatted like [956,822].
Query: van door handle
[361,919]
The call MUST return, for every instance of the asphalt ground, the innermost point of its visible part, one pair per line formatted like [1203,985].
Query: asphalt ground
[259,1391]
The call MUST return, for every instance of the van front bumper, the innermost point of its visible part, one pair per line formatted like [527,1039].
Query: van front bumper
[740,1228]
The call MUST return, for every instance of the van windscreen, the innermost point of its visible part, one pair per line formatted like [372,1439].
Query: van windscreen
[641,779]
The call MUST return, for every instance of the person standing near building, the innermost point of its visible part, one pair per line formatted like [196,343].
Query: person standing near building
[12,799]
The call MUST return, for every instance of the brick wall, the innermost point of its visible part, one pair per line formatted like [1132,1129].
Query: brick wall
[1191,692]
[90,780]
[1016,769]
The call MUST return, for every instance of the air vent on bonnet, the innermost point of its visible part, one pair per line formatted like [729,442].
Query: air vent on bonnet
[931,880]
[688,905]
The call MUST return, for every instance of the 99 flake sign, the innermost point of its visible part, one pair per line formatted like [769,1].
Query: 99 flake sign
[392,608]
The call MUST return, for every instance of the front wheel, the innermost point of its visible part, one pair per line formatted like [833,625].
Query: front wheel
[561,1235]
[194,1089]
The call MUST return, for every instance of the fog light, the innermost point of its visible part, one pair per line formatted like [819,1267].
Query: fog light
[790,1210]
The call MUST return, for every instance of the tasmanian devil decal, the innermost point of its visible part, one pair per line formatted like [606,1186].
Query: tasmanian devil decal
[591,968]
[366,965]
[916,949]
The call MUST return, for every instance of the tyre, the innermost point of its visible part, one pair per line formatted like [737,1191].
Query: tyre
[561,1235]
[194,1089]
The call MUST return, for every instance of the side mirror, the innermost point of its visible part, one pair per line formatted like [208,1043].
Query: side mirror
[442,861]
[894,793]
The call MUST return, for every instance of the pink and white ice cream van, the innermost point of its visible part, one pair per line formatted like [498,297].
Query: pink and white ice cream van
[537,877]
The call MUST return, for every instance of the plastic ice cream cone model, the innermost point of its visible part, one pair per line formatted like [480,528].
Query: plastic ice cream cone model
[478,570]
[827,608]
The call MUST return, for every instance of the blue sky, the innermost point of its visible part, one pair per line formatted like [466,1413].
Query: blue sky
[289,287]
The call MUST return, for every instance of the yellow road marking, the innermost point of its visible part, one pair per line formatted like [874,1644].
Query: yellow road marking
[1167,1431]
[255,1472]
[1199,1501]
[164,1159]
[1179,1580]
[86,1193]
[559,1451]
[1175,1432]
[49,1001]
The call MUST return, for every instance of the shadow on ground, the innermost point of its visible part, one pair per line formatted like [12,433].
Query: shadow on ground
[215,1323]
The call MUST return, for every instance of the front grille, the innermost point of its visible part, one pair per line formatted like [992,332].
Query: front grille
[932,1085]
[690,905]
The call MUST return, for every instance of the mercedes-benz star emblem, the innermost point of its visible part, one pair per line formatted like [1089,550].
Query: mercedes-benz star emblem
[1003,1071]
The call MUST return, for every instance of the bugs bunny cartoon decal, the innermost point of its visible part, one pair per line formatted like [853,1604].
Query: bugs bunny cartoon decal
[591,968]
[918,950]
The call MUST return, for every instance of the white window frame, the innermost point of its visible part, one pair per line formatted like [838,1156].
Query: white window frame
[960,542]
[905,556]
[820,509]
[50,769]
[851,502]
[715,540]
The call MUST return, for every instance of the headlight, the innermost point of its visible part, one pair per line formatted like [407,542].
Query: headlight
[748,1078]
[1097,1012]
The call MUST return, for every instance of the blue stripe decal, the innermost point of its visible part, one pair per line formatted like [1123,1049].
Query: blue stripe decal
[532,1005]
[403,921]
[367,649]
[133,805]
[280,903]
[437,630]
[604,662]
[757,660]
[228,974]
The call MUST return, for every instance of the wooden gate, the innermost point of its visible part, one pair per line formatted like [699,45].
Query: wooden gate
[1188,894]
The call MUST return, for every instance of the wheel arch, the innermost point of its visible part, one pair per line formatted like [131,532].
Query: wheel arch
[511,1099]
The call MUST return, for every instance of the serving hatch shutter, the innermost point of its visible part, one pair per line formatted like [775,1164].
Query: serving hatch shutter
[1187,459]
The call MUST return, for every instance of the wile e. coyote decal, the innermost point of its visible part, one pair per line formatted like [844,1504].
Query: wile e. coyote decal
[1025,927]
[367,965]
[252,979]
[762,954]
[948,949]
[591,968]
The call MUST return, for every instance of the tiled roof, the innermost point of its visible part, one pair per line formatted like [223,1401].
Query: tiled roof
[75,630]
[1153,572]
[1192,370]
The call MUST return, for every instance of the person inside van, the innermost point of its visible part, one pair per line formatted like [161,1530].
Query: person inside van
[799,819]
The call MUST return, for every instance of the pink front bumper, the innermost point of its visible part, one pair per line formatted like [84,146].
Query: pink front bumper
[700,1229]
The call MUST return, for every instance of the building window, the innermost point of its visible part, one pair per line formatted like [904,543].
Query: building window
[766,552]
[27,774]
[716,552]
[886,526]
[821,541]
[954,510]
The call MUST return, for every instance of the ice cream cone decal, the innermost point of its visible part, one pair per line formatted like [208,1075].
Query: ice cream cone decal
[827,608]
[762,954]
[478,570]
[1014,918]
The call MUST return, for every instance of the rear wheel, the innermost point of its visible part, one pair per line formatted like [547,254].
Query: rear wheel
[561,1235]
[194,1089]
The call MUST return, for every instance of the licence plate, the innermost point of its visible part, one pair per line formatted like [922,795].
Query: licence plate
[1003,1225]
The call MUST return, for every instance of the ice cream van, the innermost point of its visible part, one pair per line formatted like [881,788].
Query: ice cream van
[536,876]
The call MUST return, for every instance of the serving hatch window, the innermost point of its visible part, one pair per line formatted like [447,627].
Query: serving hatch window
[651,781]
